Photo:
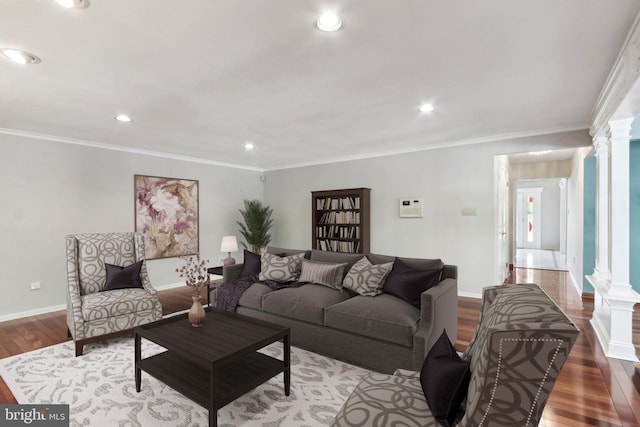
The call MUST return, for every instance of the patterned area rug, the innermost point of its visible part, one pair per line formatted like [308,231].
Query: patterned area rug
[100,389]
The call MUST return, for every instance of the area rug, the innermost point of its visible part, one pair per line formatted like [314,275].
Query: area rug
[100,389]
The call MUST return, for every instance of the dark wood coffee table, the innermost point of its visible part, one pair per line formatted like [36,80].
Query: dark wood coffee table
[215,364]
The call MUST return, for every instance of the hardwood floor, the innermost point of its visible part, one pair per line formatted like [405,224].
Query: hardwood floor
[591,390]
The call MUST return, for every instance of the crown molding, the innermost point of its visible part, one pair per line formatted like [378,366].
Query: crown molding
[621,79]
[437,146]
[44,137]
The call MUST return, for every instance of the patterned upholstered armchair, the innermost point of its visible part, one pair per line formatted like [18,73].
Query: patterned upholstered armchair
[93,315]
[522,341]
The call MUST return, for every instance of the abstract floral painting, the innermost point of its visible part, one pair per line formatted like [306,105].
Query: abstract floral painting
[166,212]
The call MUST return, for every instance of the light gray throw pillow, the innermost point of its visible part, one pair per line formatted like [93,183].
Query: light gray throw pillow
[366,278]
[323,273]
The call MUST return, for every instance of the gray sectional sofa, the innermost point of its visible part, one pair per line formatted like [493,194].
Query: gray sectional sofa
[380,332]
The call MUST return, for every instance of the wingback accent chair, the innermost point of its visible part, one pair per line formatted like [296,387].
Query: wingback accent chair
[93,315]
[521,342]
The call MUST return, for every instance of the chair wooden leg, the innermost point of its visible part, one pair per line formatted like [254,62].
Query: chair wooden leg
[79,348]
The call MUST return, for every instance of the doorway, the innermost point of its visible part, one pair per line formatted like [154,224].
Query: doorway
[540,224]
[528,218]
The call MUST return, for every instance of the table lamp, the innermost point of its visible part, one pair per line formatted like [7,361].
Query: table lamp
[229,244]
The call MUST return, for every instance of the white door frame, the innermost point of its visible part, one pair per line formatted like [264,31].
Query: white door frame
[501,194]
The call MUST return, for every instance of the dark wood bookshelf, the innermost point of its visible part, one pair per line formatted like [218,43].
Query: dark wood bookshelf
[340,220]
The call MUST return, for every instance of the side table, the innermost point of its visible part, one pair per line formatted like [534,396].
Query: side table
[217,271]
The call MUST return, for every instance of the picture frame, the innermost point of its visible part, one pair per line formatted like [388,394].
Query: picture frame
[166,212]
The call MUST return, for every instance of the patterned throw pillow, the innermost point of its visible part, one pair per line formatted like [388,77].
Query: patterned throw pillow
[366,278]
[323,273]
[280,269]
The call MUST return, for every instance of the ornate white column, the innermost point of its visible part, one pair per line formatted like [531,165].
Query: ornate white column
[601,271]
[614,297]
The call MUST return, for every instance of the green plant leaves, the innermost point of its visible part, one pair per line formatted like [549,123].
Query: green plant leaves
[256,226]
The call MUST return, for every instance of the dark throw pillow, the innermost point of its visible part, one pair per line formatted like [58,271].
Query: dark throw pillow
[123,277]
[407,283]
[445,380]
[251,265]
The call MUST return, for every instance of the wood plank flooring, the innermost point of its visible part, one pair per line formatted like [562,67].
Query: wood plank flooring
[592,390]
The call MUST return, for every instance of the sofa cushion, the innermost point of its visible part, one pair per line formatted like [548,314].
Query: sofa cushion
[273,250]
[252,297]
[280,269]
[251,264]
[327,256]
[365,278]
[384,317]
[307,302]
[322,273]
[382,400]
[409,283]
[445,380]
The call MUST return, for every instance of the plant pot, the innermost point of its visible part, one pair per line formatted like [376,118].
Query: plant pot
[196,313]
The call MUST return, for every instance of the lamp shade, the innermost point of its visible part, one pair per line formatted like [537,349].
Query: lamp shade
[229,244]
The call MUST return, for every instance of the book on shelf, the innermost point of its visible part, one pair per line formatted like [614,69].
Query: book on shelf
[340,217]
[338,246]
[335,203]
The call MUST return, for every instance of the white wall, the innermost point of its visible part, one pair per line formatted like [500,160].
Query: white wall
[446,179]
[50,189]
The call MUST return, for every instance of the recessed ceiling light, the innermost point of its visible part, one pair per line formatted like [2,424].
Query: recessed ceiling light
[329,22]
[249,146]
[20,56]
[539,153]
[123,118]
[73,4]
[426,108]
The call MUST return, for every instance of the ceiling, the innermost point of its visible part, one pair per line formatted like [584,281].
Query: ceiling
[201,78]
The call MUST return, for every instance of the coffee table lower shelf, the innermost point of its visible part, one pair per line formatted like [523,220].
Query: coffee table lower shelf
[212,390]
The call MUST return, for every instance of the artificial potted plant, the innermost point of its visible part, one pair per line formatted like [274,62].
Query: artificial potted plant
[256,226]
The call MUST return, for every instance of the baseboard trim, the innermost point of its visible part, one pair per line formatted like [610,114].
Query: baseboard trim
[469,295]
[169,286]
[35,312]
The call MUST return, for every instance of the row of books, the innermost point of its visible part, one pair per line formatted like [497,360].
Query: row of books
[338,203]
[340,217]
[336,231]
[338,246]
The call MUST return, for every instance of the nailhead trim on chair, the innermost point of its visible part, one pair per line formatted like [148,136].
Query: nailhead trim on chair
[544,378]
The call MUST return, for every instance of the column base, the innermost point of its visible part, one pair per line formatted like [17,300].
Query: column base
[612,319]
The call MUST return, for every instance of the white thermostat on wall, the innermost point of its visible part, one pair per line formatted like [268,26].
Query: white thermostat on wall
[410,208]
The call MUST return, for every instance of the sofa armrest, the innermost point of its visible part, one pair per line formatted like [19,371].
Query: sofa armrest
[231,272]
[439,310]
